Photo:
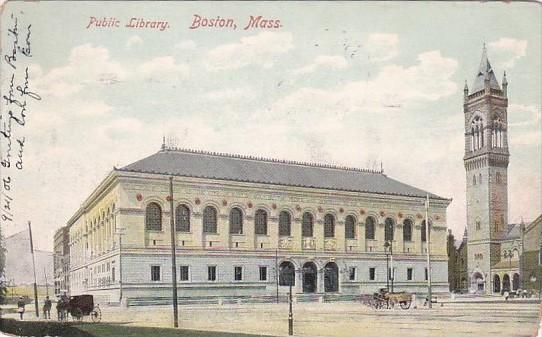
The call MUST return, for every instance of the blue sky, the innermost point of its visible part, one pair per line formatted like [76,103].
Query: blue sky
[346,83]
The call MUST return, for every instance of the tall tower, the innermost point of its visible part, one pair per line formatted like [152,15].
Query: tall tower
[486,163]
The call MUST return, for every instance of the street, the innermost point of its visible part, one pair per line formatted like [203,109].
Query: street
[468,318]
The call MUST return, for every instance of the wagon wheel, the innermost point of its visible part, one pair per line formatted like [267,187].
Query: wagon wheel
[77,314]
[96,314]
[391,303]
[405,304]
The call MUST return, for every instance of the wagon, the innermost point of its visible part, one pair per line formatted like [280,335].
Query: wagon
[83,305]
[384,298]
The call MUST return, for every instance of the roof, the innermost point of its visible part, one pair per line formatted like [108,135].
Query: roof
[513,231]
[200,164]
[485,71]
[506,264]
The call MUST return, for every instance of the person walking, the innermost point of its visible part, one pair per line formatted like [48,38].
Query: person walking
[47,308]
[20,307]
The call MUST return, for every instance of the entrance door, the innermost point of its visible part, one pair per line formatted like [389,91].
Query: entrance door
[331,277]
[310,277]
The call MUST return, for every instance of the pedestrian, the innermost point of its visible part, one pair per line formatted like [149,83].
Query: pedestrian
[60,307]
[47,308]
[20,307]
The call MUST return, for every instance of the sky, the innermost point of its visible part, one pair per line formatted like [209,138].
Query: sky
[347,83]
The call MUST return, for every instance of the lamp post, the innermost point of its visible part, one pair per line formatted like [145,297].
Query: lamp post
[386,244]
[388,247]
[291,278]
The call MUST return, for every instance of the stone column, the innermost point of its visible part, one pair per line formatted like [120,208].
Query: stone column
[297,234]
[318,232]
[196,227]
[223,230]
[340,235]
[273,230]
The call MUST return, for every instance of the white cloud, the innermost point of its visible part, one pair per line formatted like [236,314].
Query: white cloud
[94,109]
[87,65]
[163,69]
[186,45]
[260,49]
[323,61]
[393,88]
[382,46]
[134,40]
[236,94]
[508,51]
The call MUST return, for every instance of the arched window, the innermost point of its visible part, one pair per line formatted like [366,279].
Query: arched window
[307,225]
[478,225]
[209,220]
[153,217]
[472,148]
[407,230]
[260,222]
[350,227]
[286,274]
[182,219]
[480,178]
[474,179]
[284,224]
[329,226]
[236,221]
[388,229]
[498,177]
[370,228]
[423,231]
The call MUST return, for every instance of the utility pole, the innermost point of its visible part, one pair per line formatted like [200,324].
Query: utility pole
[173,253]
[428,244]
[34,268]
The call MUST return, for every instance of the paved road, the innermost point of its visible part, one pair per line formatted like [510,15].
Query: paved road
[344,319]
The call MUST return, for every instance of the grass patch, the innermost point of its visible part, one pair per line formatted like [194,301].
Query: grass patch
[42,329]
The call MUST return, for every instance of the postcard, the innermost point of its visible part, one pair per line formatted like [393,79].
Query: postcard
[249,168]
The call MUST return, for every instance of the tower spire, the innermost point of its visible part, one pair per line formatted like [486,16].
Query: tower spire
[485,77]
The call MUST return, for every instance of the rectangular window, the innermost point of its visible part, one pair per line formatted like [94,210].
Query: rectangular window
[155,273]
[426,274]
[409,274]
[372,274]
[263,273]
[352,274]
[211,273]
[112,274]
[183,273]
[238,273]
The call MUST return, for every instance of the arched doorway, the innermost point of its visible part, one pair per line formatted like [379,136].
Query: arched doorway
[515,282]
[331,277]
[286,273]
[506,283]
[478,281]
[496,284]
[310,277]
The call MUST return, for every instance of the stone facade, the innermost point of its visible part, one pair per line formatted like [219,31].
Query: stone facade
[61,261]
[486,162]
[531,266]
[115,256]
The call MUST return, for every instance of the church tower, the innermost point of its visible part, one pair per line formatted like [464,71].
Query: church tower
[486,162]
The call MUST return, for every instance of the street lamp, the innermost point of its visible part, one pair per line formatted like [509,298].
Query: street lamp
[388,247]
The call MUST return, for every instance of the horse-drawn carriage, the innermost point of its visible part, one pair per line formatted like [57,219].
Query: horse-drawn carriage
[386,299]
[83,305]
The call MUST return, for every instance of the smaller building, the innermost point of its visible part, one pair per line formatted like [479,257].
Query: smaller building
[457,263]
[532,256]
[62,260]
